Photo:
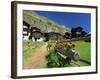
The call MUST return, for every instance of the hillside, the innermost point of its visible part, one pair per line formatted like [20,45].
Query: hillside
[43,23]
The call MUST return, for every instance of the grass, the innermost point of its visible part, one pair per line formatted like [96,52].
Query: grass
[29,48]
[84,49]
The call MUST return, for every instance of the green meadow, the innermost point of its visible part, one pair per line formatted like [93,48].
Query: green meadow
[84,48]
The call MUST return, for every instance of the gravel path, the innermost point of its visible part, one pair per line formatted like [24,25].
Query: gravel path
[38,60]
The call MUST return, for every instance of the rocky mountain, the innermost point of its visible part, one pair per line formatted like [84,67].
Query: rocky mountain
[43,23]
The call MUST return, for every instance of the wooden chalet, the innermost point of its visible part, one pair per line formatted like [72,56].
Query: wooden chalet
[67,35]
[36,33]
[53,36]
[26,30]
[76,32]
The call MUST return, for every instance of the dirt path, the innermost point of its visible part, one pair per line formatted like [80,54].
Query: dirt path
[38,60]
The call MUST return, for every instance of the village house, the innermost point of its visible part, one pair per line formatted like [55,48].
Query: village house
[67,35]
[33,29]
[53,36]
[36,34]
[26,30]
[76,32]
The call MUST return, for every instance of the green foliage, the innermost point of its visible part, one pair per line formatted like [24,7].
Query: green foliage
[53,60]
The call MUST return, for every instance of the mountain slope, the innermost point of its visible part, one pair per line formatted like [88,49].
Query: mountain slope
[43,23]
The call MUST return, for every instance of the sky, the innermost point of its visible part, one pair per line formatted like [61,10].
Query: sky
[69,19]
